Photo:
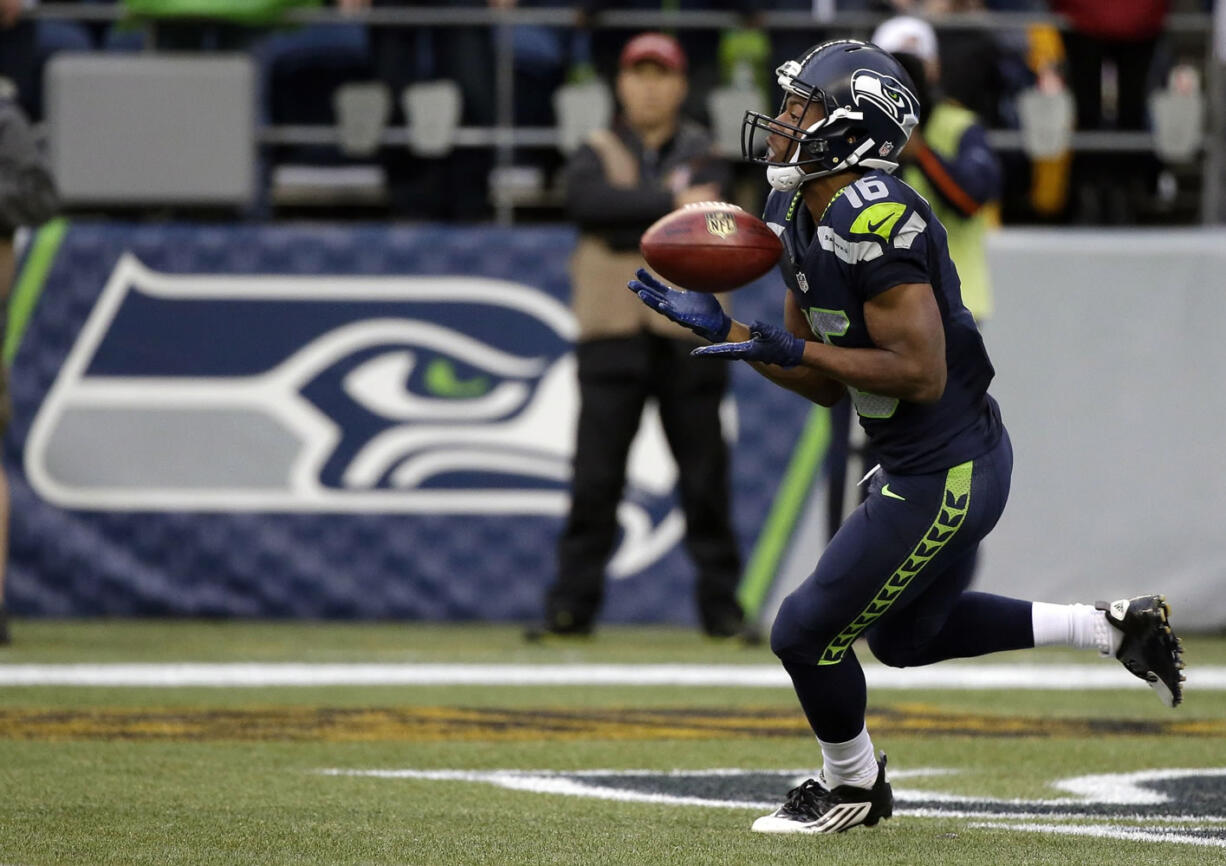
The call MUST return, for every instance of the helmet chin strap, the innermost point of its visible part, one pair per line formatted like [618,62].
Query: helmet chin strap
[785,178]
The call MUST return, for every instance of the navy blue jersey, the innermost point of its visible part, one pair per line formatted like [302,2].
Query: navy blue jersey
[876,234]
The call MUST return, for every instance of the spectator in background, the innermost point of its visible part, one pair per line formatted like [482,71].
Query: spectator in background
[973,61]
[700,44]
[1125,34]
[980,68]
[19,51]
[543,59]
[301,69]
[27,197]
[650,162]
[455,186]
[788,43]
[27,44]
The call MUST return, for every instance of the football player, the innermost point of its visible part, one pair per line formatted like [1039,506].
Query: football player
[874,309]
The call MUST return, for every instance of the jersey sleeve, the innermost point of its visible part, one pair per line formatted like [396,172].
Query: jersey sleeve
[884,242]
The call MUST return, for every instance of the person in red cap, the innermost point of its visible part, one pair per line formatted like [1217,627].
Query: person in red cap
[656,48]
[602,41]
[619,182]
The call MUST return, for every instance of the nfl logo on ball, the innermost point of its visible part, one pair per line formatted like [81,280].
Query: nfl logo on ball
[721,224]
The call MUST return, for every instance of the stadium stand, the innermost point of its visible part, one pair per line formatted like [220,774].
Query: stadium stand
[332,133]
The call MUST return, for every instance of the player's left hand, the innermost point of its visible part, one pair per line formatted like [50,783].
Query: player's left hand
[767,343]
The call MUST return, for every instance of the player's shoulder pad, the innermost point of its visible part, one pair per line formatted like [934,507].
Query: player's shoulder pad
[878,209]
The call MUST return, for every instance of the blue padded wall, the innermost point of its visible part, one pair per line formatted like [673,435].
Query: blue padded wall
[324,422]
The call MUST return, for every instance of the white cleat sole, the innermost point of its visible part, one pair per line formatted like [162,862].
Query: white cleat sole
[841,817]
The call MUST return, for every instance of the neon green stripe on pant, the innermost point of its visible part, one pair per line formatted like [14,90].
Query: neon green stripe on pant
[955,505]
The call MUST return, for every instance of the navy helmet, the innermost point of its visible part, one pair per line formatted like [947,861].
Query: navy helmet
[870,109]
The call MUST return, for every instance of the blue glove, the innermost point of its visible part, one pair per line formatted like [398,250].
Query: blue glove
[767,343]
[701,313]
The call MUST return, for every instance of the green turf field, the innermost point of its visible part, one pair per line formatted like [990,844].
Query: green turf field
[196,775]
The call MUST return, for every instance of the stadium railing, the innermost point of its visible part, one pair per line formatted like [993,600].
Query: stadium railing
[504,136]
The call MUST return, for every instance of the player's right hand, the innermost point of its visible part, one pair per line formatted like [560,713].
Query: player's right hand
[767,343]
[699,312]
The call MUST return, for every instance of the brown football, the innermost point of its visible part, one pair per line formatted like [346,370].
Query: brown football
[710,246]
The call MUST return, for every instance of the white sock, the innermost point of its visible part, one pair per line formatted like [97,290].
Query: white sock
[850,763]
[1075,625]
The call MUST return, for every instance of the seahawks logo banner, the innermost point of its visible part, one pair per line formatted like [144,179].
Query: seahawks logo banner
[329,422]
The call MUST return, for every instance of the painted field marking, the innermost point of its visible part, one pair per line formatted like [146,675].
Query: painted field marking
[1106,831]
[1053,677]
[564,783]
[1121,799]
[436,724]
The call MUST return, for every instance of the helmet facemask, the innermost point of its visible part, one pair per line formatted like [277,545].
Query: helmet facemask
[809,154]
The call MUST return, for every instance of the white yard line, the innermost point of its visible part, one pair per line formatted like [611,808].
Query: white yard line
[944,676]
[1106,831]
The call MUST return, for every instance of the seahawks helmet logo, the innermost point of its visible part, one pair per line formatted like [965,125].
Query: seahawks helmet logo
[888,94]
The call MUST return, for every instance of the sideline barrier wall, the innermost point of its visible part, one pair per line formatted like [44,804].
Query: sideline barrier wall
[372,422]
[1109,364]
[326,422]
[1109,367]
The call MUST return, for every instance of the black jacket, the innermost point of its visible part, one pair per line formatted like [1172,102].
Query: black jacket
[27,191]
[620,215]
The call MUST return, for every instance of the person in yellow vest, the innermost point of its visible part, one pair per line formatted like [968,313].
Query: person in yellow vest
[948,160]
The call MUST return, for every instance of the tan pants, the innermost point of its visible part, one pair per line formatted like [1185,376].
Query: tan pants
[602,304]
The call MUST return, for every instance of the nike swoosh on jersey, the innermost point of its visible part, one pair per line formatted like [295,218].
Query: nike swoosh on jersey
[886,491]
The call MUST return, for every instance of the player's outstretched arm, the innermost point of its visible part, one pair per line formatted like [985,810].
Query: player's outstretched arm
[908,359]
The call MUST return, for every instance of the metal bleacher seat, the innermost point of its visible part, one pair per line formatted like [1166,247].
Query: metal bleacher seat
[153,129]
[581,109]
[1178,114]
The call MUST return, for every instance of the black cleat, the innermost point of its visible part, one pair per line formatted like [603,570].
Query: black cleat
[726,619]
[810,808]
[745,632]
[1148,647]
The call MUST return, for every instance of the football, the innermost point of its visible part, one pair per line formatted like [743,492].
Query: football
[710,246]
